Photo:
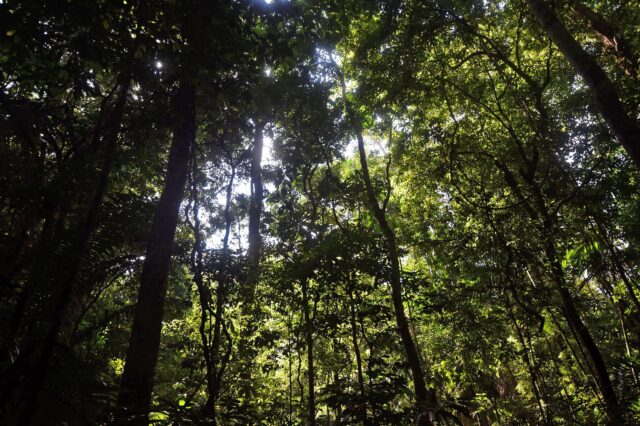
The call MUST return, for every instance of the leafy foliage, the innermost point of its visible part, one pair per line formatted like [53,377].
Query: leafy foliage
[514,208]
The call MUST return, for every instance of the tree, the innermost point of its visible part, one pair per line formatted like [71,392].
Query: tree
[623,125]
[396,212]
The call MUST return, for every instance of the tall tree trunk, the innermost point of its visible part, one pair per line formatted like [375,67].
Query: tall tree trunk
[246,350]
[539,211]
[204,295]
[611,37]
[572,316]
[308,332]
[426,398]
[255,213]
[356,349]
[569,311]
[137,380]
[70,272]
[568,308]
[47,242]
[11,258]
[623,125]
[215,381]
[625,336]
[527,355]
[289,362]
[618,264]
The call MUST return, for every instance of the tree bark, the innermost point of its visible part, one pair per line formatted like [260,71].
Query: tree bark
[215,381]
[356,349]
[624,126]
[67,282]
[255,213]
[246,350]
[569,311]
[610,36]
[575,322]
[427,402]
[527,355]
[568,308]
[49,238]
[308,333]
[204,294]
[137,380]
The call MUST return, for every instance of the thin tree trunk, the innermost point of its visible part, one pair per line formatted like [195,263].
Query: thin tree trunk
[579,356]
[370,359]
[20,345]
[615,258]
[308,332]
[204,296]
[558,372]
[246,350]
[527,357]
[68,280]
[625,335]
[289,349]
[569,311]
[255,213]
[426,398]
[213,381]
[298,378]
[586,339]
[48,241]
[623,125]
[611,37]
[216,380]
[137,380]
[356,349]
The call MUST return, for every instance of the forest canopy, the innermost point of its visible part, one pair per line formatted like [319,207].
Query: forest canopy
[331,212]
